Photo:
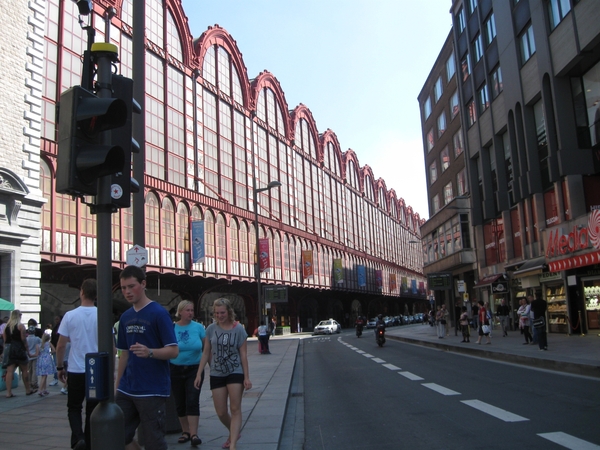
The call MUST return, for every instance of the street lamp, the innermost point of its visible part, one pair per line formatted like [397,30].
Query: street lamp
[255,191]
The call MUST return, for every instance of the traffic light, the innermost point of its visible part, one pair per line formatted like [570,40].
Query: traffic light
[123,184]
[83,155]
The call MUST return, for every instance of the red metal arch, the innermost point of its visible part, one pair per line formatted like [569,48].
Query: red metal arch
[327,137]
[347,156]
[379,186]
[302,112]
[266,79]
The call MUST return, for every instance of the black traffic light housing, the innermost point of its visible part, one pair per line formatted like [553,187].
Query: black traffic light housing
[83,155]
[123,184]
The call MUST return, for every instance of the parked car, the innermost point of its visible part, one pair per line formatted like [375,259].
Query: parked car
[371,323]
[327,327]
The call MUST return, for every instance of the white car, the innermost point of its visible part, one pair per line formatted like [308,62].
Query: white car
[327,327]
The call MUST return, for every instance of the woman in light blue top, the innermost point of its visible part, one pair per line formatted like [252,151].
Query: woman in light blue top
[184,368]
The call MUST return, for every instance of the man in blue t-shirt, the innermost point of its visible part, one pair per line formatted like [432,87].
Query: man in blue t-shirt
[147,343]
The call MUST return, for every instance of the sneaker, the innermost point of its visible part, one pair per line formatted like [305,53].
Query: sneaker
[64,391]
[53,383]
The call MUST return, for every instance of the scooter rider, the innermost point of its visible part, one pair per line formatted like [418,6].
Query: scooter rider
[380,323]
[359,324]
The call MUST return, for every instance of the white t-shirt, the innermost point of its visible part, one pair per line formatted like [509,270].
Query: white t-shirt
[81,327]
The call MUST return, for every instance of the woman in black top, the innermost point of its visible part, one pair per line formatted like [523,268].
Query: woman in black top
[15,339]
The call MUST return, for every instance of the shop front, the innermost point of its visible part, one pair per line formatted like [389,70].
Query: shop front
[493,289]
[555,294]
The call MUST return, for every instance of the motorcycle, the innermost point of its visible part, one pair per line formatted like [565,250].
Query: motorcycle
[359,330]
[380,335]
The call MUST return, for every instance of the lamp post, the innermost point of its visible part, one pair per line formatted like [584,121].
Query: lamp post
[255,192]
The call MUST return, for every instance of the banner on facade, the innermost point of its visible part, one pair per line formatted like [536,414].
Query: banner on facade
[338,271]
[393,282]
[379,279]
[422,287]
[413,286]
[264,262]
[197,241]
[404,285]
[361,273]
[307,264]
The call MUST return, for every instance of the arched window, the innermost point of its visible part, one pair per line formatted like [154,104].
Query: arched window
[168,233]
[245,262]
[46,186]
[152,229]
[234,247]
[277,255]
[173,39]
[293,261]
[183,237]
[221,236]
[209,242]
[286,258]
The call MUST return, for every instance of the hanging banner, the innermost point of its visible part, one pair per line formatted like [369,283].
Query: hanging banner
[264,262]
[393,282]
[307,264]
[361,273]
[379,279]
[338,271]
[422,288]
[404,285]
[197,237]
[413,285]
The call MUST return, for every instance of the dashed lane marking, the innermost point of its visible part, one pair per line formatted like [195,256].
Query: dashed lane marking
[360,352]
[368,355]
[410,376]
[378,360]
[494,411]
[391,367]
[440,389]
[569,441]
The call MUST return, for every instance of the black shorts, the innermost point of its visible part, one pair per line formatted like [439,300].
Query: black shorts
[219,382]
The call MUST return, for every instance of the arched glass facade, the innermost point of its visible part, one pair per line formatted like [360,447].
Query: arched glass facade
[210,133]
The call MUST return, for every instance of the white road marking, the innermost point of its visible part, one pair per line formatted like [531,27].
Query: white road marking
[360,352]
[353,348]
[368,355]
[378,360]
[569,441]
[410,376]
[440,389]
[494,411]
[391,367]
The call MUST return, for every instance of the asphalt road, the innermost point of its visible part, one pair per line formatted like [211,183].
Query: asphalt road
[360,396]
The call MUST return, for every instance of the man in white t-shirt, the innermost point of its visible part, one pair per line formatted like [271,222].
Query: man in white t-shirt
[80,328]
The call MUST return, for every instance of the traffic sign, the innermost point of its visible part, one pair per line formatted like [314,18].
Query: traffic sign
[137,256]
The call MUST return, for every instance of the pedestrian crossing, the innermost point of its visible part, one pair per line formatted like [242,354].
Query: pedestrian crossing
[560,438]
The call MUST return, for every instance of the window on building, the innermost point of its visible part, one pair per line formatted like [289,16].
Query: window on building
[508,174]
[586,92]
[461,182]
[490,29]
[430,140]
[477,48]
[465,67]
[472,6]
[497,85]
[441,123]
[472,113]
[542,143]
[527,44]
[450,67]
[448,193]
[433,172]
[435,203]
[427,107]
[457,140]
[438,89]
[445,159]
[557,10]
[483,98]
[454,109]
[460,20]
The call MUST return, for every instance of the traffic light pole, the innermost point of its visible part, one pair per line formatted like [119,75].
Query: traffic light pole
[107,430]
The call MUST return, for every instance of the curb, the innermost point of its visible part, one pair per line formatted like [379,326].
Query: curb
[587,370]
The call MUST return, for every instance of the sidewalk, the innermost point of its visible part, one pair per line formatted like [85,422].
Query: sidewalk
[573,354]
[35,423]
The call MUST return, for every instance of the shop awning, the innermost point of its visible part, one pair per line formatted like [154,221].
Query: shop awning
[531,267]
[496,281]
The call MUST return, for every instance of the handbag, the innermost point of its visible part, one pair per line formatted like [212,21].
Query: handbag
[485,329]
[443,321]
[540,322]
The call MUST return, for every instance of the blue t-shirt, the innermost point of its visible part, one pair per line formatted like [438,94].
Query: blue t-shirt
[152,327]
[189,339]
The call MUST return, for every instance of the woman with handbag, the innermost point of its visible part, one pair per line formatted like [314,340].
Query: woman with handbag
[484,324]
[15,352]
[523,313]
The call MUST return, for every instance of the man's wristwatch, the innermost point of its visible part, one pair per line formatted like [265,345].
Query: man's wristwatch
[150,353]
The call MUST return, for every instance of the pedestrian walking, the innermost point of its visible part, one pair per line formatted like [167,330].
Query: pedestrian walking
[464,325]
[184,369]
[484,324]
[147,340]
[226,347]
[503,313]
[33,351]
[78,335]
[272,326]
[523,313]
[15,353]
[45,364]
[263,338]
[54,342]
[539,307]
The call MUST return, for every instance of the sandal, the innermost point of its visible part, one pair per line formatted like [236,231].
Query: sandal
[227,443]
[183,438]
[195,440]
[33,391]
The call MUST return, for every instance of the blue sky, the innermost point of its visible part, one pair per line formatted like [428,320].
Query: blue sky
[358,65]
